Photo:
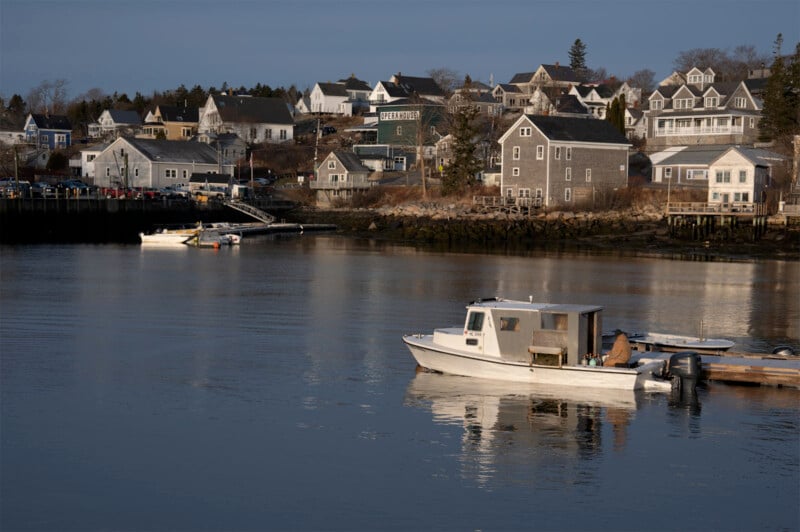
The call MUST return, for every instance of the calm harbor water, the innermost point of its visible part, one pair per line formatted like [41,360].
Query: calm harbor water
[267,387]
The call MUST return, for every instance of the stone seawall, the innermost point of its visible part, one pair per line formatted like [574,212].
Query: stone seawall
[633,230]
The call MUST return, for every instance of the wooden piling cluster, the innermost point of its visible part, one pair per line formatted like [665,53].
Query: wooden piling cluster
[703,221]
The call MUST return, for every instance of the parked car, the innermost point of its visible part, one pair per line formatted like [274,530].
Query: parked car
[74,187]
[42,190]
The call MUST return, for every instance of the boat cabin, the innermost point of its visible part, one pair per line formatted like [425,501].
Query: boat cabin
[538,333]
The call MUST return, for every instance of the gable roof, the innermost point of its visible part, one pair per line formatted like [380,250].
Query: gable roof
[333,89]
[422,86]
[354,84]
[522,77]
[561,73]
[693,155]
[757,156]
[570,129]
[507,87]
[350,161]
[252,109]
[177,151]
[174,113]
[124,117]
[59,122]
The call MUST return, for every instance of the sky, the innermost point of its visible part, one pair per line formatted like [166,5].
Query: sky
[129,46]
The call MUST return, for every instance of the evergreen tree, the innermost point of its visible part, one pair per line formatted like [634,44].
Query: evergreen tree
[779,115]
[577,59]
[463,168]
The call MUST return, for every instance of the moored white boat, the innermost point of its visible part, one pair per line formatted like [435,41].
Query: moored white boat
[538,343]
[169,237]
[652,341]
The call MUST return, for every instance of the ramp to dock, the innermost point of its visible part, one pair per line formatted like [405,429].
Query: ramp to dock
[255,212]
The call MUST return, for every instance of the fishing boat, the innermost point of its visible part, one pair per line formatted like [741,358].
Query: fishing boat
[538,343]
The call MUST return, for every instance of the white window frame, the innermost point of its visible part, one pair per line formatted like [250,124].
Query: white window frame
[588,175]
[515,171]
[331,165]
[568,174]
[568,155]
[711,101]
[525,131]
[515,153]
[171,173]
[742,176]
[557,153]
[668,172]
[540,152]
[567,195]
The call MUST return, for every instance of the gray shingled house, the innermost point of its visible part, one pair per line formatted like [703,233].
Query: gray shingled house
[339,176]
[560,161]
[152,163]
[253,119]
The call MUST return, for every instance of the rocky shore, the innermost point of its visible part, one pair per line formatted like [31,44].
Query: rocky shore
[455,226]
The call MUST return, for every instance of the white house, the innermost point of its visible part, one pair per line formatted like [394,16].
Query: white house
[741,175]
[253,119]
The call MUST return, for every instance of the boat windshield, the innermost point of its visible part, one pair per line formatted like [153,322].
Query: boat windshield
[475,321]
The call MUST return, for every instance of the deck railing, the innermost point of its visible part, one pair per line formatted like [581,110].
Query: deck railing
[736,207]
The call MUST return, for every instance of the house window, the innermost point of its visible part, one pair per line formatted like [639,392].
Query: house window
[539,152]
[568,175]
[668,173]
[135,172]
[333,178]
[539,193]
[185,174]
[567,195]
[186,131]
[569,154]
[253,133]
[43,139]
[711,101]
[745,196]
[171,172]
[515,171]
[524,131]
[557,153]
[742,176]
[752,122]
[524,193]
[515,155]
[723,176]
[509,192]
[108,172]
[696,174]
[268,134]
[283,134]
[588,175]
[740,102]
[399,131]
[656,105]
[331,165]
[684,103]
[90,158]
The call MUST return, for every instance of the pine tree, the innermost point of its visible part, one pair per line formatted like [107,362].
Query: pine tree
[779,113]
[461,172]
[577,59]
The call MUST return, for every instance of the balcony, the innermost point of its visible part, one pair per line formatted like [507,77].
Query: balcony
[698,130]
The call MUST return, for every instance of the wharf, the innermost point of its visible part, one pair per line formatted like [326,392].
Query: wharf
[752,368]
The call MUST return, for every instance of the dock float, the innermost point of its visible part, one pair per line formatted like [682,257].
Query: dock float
[752,368]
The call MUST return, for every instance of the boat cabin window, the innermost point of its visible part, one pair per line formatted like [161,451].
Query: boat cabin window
[509,324]
[475,321]
[554,321]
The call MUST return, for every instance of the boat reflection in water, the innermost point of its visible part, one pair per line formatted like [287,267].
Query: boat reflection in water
[513,427]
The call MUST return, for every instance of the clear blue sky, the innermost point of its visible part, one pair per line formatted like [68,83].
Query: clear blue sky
[146,45]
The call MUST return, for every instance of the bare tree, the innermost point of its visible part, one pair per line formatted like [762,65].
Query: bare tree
[446,78]
[643,79]
[49,97]
[727,66]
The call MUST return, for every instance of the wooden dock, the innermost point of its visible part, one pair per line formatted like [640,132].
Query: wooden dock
[752,368]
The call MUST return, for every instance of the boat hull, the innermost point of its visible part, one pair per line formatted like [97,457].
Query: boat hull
[433,357]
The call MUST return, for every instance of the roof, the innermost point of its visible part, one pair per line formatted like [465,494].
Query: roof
[422,86]
[178,151]
[354,84]
[569,103]
[507,87]
[333,89]
[757,156]
[174,113]
[694,155]
[578,129]
[522,77]
[253,110]
[561,73]
[60,122]
[124,117]
[350,161]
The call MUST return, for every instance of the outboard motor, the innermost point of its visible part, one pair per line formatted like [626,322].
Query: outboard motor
[684,370]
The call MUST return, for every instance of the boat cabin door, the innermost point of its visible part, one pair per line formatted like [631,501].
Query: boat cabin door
[473,330]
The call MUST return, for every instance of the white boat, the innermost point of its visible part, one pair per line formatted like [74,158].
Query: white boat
[538,343]
[651,341]
[169,237]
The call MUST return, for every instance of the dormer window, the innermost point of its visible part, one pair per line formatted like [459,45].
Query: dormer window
[684,103]
[656,105]
[711,101]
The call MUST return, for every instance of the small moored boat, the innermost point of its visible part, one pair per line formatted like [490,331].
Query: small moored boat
[675,343]
[537,343]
